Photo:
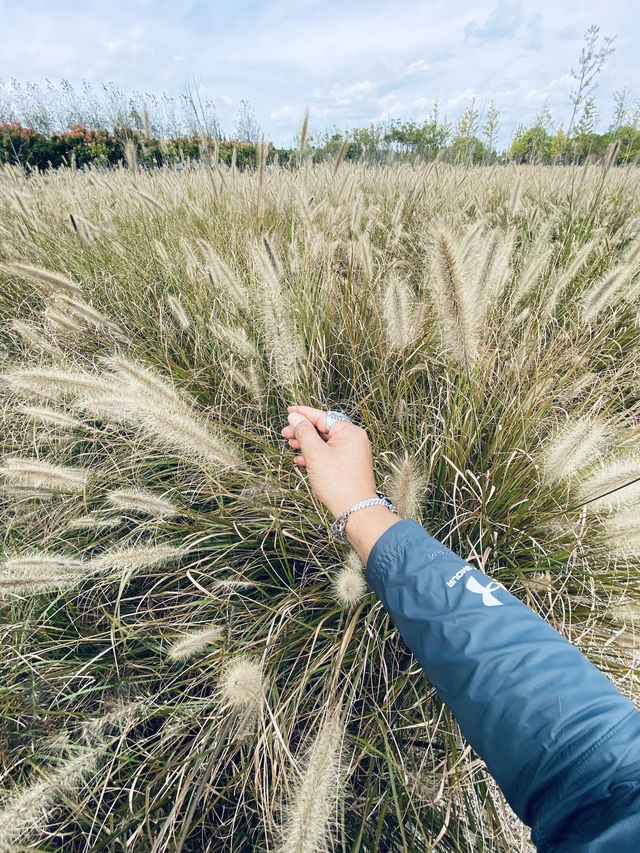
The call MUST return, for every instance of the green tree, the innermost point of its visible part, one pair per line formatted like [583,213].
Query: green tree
[530,144]
[465,146]
[490,130]
[560,149]
[368,142]
[621,113]
[245,125]
[590,64]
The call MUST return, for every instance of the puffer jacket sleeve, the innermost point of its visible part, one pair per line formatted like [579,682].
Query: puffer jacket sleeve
[559,738]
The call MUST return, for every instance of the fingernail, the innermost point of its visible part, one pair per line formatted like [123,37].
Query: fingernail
[295,419]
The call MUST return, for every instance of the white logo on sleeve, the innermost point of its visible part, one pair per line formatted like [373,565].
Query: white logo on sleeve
[486,592]
[459,574]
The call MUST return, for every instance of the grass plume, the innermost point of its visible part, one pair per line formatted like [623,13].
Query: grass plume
[36,473]
[192,643]
[316,791]
[349,585]
[42,277]
[139,500]
[27,811]
[454,301]
[242,683]
[573,447]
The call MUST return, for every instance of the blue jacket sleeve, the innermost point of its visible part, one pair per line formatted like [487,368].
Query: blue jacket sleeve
[559,738]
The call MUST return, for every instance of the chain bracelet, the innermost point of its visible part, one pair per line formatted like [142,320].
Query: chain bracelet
[337,528]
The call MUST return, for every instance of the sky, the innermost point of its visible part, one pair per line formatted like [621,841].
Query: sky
[349,63]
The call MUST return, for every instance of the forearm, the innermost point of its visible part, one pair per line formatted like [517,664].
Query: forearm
[527,700]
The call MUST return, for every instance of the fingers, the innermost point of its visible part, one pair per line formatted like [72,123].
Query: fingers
[287,432]
[317,417]
[311,444]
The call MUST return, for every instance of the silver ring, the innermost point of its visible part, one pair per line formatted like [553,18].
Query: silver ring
[333,416]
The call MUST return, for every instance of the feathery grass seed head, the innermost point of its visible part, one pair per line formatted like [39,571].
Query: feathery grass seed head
[400,314]
[454,300]
[41,276]
[27,810]
[40,572]
[121,558]
[349,585]
[613,486]
[49,416]
[34,472]
[573,447]
[314,796]
[32,336]
[407,486]
[138,500]
[241,683]
[179,312]
[52,382]
[195,641]
[622,532]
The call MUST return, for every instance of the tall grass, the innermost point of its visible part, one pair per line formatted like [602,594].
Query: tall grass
[161,548]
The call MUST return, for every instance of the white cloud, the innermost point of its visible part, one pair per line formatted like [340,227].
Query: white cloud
[541,94]
[418,65]
[414,107]
[284,113]
[503,22]
[461,98]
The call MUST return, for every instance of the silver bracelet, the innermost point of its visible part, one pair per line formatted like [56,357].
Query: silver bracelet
[337,529]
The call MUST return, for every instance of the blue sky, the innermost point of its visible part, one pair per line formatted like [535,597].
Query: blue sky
[349,62]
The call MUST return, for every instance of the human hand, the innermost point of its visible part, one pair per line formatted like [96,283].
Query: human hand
[339,462]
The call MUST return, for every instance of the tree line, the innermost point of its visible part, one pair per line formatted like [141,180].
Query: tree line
[57,125]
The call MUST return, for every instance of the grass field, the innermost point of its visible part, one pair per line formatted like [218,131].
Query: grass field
[186,662]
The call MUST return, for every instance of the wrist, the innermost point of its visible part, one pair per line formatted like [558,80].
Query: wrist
[366,515]
[338,527]
[360,496]
[365,527]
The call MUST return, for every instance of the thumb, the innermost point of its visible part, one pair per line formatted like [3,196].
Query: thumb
[305,432]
